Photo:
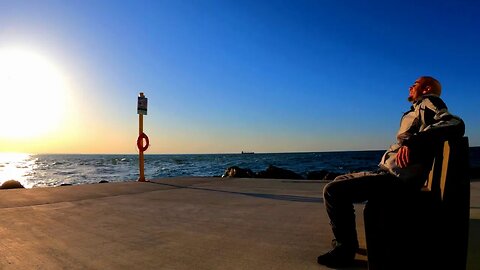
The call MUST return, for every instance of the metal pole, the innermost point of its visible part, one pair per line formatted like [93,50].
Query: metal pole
[141,160]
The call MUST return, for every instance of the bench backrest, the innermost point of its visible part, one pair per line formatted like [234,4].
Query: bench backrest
[449,185]
[451,162]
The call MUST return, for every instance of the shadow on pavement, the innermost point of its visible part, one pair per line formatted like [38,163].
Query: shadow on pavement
[291,198]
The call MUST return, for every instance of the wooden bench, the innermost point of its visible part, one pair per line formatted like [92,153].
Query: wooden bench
[427,229]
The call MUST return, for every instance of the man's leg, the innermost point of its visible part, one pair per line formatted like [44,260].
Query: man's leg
[339,197]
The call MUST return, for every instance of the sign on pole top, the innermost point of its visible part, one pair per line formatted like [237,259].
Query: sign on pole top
[142,104]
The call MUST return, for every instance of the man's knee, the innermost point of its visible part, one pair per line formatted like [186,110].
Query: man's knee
[338,186]
[342,177]
[354,175]
[330,190]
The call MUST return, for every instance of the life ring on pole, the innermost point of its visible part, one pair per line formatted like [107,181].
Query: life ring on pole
[140,139]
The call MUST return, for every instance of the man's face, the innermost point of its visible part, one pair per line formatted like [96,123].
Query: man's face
[416,90]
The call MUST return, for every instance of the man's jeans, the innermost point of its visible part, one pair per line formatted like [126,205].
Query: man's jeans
[340,195]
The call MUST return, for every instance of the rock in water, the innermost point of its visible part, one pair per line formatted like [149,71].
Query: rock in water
[11,184]
[278,173]
[236,171]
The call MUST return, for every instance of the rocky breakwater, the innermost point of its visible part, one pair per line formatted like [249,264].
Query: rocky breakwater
[274,172]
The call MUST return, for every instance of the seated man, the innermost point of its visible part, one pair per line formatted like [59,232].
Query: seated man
[403,167]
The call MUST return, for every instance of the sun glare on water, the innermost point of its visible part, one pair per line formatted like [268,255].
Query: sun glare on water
[16,166]
[32,94]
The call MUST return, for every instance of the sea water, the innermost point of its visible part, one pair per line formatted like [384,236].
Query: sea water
[54,170]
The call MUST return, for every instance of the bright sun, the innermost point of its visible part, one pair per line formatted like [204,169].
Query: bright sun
[32,94]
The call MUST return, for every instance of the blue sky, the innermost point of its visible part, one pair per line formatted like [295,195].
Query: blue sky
[264,76]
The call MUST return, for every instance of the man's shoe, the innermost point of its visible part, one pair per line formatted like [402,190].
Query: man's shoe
[340,256]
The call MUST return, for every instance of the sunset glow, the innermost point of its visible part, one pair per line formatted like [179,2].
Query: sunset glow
[33,94]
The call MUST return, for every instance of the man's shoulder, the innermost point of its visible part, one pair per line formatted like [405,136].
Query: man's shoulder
[434,103]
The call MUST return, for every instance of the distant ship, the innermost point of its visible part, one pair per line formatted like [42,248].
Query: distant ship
[244,152]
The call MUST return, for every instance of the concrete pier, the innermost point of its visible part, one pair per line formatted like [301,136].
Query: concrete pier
[177,223]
